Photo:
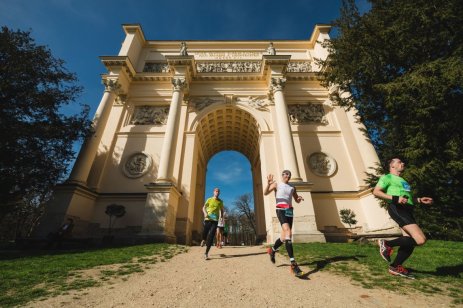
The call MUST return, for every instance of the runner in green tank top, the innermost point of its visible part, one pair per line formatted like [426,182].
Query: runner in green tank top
[397,192]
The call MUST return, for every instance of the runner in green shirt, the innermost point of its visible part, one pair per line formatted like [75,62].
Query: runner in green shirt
[397,192]
[213,211]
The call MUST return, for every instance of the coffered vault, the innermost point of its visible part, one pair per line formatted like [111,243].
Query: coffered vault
[229,129]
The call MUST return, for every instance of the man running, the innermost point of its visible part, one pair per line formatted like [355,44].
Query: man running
[396,191]
[284,193]
[213,212]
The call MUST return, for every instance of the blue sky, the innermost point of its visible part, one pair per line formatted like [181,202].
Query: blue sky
[79,31]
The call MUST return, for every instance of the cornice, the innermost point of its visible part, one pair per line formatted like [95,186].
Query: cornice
[116,63]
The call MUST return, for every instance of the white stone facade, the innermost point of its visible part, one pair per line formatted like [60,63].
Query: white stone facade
[168,107]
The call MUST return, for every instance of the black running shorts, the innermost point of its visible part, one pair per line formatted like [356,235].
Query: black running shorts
[401,214]
[281,214]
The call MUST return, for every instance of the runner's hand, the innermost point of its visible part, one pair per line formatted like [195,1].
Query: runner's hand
[270,179]
[403,200]
[426,200]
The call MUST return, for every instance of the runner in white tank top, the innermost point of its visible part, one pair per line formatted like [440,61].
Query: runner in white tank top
[284,193]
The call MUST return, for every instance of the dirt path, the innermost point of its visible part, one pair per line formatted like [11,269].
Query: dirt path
[235,277]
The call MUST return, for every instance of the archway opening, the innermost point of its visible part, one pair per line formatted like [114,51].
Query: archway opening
[228,139]
[231,172]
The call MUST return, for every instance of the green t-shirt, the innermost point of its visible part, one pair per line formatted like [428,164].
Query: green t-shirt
[213,207]
[395,186]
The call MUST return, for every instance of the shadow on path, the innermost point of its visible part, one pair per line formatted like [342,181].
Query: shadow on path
[455,271]
[242,255]
[320,264]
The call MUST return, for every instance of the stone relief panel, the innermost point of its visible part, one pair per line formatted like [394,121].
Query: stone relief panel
[199,103]
[306,114]
[257,102]
[149,115]
[322,164]
[229,67]
[299,67]
[156,67]
[137,165]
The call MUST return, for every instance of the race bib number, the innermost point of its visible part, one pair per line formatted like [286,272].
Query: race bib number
[406,186]
[289,212]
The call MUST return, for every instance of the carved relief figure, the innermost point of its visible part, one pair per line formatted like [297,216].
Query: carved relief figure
[229,67]
[322,164]
[137,165]
[310,113]
[150,115]
[199,103]
[259,103]
[152,67]
[299,67]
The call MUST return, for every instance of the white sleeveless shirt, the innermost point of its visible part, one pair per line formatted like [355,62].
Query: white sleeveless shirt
[284,195]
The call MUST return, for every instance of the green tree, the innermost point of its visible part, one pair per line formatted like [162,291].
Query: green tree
[37,138]
[400,66]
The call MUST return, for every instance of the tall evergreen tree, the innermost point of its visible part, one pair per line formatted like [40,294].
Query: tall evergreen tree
[400,65]
[37,138]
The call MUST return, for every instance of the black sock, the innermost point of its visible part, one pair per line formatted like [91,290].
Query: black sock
[402,255]
[405,251]
[277,244]
[289,248]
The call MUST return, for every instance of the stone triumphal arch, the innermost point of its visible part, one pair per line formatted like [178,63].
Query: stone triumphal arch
[169,106]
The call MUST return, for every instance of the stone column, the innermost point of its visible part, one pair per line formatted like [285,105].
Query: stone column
[89,149]
[165,163]
[284,128]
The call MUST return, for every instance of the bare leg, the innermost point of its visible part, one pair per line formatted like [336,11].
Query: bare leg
[415,232]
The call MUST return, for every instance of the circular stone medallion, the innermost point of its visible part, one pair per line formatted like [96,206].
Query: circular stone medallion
[322,164]
[137,165]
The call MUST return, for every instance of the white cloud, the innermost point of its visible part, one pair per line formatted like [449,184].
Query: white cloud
[229,174]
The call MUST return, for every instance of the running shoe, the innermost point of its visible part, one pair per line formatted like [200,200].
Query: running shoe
[202,243]
[206,257]
[385,251]
[399,270]
[271,253]
[296,270]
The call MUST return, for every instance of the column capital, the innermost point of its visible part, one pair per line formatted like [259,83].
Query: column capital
[179,83]
[111,85]
[277,84]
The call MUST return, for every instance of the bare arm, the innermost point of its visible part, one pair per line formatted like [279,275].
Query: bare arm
[380,193]
[271,185]
[296,197]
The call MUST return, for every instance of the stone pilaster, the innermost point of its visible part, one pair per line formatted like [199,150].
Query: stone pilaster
[89,149]
[165,163]
[284,128]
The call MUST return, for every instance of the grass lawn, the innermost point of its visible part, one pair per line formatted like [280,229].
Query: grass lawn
[437,266]
[30,275]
